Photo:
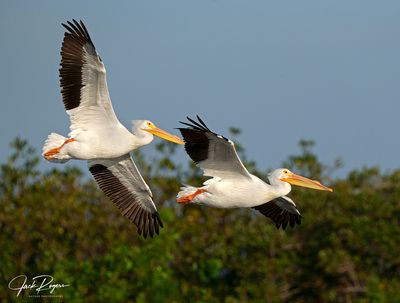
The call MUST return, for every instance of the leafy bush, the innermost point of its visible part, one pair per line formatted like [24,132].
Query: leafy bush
[59,223]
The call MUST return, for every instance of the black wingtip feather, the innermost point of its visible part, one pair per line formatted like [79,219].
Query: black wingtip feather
[202,122]
[281,217]
[159,220]
[67,27]
[85,30]
[79,31]
[72,61]
[200,125]
[147,223]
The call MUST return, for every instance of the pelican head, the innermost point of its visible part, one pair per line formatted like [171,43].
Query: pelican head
[149,128]
[285,175]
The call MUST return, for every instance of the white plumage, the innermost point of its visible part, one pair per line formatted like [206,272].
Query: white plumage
[231,185]
[97,135]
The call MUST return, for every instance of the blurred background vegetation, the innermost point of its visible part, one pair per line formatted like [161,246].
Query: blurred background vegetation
[58,222]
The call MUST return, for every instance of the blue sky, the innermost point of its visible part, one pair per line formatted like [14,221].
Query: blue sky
[279,70]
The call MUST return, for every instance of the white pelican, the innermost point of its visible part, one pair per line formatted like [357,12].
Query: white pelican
[96,134]
[231,185]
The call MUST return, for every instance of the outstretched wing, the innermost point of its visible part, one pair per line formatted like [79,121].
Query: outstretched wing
[282,211]
[83,80]
[122,183]
[213,153]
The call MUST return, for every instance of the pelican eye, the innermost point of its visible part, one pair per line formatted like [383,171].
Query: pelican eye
[285,172]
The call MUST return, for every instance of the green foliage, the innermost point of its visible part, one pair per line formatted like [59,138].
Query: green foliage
[58,223]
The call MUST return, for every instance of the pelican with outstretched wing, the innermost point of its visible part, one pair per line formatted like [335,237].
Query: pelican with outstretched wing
[231,185]
[97,135]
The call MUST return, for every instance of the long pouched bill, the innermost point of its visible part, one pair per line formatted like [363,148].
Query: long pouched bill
[164,135]
[305,182]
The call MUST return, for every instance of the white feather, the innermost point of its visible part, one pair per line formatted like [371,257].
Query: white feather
[53,141]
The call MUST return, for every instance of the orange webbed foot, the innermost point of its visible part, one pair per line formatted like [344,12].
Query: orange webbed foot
[189,198]
[54,151]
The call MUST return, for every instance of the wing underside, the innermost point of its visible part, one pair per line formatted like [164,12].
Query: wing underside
[282,211]
[122,183]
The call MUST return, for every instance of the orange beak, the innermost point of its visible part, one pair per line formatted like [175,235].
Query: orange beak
[305,182]
[163,134]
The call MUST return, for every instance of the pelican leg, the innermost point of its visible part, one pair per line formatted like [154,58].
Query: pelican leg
[189,198]
[54,151]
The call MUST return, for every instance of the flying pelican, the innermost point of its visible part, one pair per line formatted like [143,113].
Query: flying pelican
[96,134]
[231,185]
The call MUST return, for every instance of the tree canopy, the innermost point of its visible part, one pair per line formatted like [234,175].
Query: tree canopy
[57,222]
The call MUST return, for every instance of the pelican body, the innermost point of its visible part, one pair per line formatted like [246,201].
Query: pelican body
[97,135]
[231,185]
